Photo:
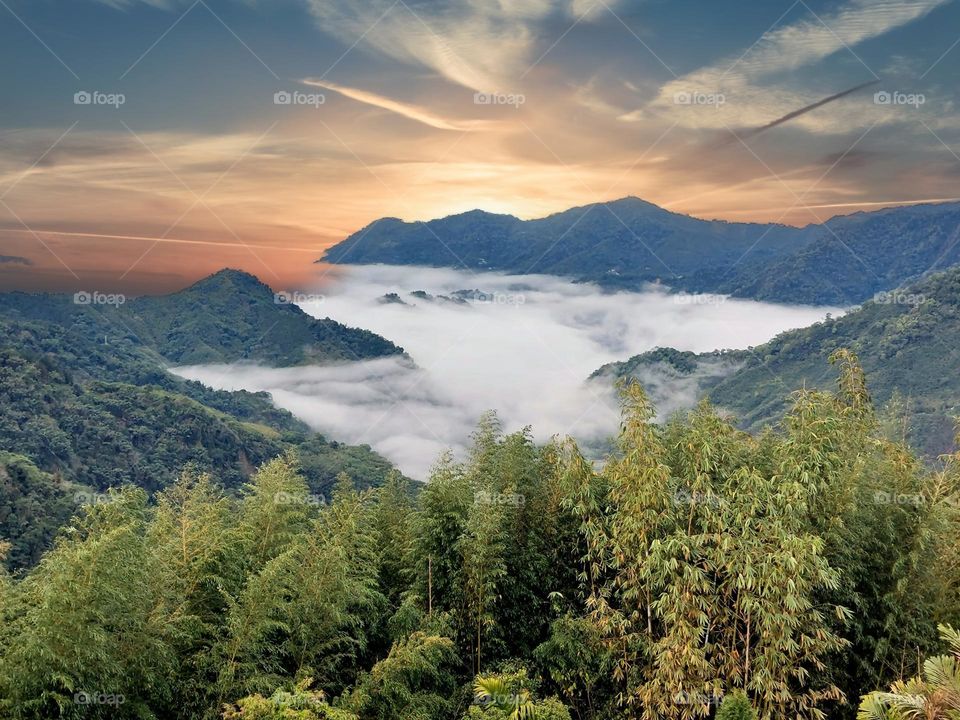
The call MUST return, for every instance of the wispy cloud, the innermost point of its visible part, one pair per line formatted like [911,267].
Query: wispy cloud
[749,81]
[412,112]
[475,43]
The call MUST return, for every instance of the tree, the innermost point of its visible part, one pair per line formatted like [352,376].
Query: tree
[932,695]
[416,680]
[509,696]
[736,706]
[300,703]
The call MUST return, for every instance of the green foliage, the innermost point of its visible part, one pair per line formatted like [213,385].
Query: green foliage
[790,572]
[416,680]
[33,506]
[736,706]
[509,696]
[222,318]
[932,695]
[900,341]
[65,435]
[298,704]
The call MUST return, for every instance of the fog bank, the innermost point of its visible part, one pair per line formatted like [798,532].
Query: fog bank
[522,345]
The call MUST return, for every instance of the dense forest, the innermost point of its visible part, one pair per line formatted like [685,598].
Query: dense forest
[812,571]
[227,317]
[904,340]
[87,403]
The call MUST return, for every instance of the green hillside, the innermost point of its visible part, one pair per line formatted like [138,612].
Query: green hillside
[227,317]
[907,342]
[86,402]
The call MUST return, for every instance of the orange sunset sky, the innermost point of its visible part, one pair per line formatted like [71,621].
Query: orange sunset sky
[200,167]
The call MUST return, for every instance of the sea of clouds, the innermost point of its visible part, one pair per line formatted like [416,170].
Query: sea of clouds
[521,345]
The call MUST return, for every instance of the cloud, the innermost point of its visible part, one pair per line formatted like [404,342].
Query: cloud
[412,112]
[524,346]
[474,43]
[748,81]
[15,260]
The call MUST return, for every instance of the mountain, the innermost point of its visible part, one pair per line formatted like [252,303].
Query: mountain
[629,242]
[227,317]
[86,402]
[852,258]
[908,342]
[624,243]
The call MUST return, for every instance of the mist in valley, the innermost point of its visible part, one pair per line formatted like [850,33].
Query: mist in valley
[521,345]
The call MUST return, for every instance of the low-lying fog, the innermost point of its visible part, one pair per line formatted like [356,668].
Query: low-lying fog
[522,345]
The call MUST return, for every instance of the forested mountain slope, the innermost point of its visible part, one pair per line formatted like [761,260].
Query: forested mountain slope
[908,342]
[86,402]
[227,317]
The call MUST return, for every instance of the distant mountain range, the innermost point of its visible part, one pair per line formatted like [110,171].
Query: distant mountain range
[627,243]
[86,402]
[908,342]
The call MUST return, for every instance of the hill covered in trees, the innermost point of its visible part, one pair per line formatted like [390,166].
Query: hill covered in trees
[627,243]
[227,317]
[86,402]
[908,339]
[699,572]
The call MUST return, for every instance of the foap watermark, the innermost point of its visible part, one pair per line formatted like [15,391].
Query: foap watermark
[98,698]
[886,498]
[895,97]
[699,97]
[686,497]
[314,100]
[499,98]
[488,498]
[293,297]
[500,699]
[98,98]
[85,297]
[92,498]
[698,299]
[494,298]
[898,297]
[285,498]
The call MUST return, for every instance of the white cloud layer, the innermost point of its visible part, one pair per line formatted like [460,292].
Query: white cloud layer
[525,349]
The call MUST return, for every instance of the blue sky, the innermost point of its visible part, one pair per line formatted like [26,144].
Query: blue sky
[199,167]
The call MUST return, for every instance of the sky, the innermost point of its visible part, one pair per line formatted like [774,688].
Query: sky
[521,344]
[145,143]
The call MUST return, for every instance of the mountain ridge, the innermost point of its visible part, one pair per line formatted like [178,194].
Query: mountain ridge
[629,242]
[908,342]
[228,316]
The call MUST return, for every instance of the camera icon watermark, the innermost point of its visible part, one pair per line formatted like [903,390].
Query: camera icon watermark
[483,497]
[885,498]
[895,97]
[897,297]
[98,98]
[285,498]
[493,298]
[288,297]
[698,299]
[98,698]
[98,298]
[315,100]
[698,97]
[499,98]
[92,498]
